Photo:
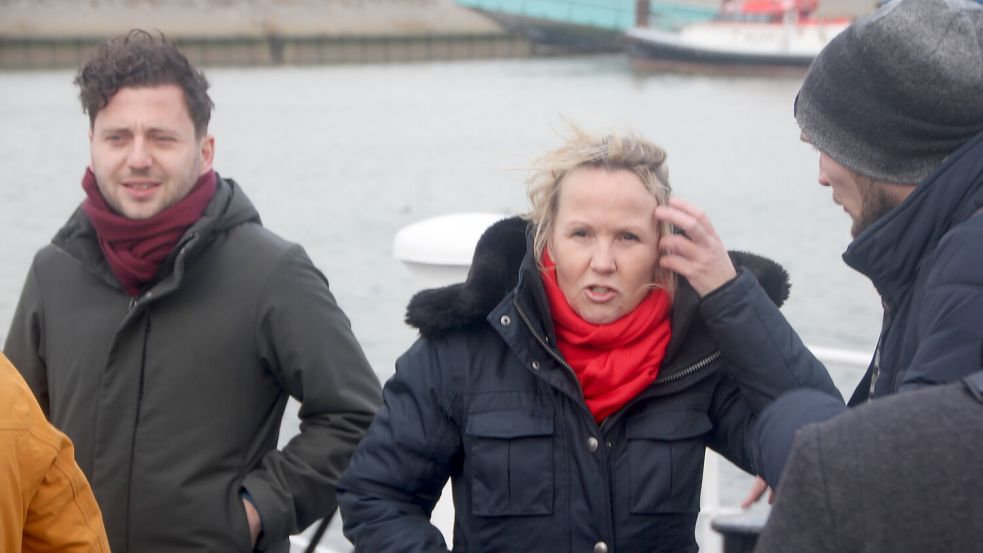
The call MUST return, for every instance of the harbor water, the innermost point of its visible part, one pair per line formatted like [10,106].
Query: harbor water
[340,158]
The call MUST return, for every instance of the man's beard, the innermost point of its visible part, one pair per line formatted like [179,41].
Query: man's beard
[874,204]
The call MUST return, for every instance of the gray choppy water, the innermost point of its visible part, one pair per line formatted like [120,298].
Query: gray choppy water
[340,158]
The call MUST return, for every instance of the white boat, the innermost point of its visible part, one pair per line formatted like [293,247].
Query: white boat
[760,34]
[584,25]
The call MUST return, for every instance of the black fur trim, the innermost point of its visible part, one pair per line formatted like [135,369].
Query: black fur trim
[769,274]
[494,272]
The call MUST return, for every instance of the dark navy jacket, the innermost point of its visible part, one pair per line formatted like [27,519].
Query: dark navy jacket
[486,400]
[925,258]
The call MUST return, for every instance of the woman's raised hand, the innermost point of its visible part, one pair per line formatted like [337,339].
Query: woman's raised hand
[697,254]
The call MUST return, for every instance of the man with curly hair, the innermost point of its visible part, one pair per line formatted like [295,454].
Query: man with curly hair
[164,329]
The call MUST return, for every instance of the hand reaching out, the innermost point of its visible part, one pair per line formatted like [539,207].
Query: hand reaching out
[758,489]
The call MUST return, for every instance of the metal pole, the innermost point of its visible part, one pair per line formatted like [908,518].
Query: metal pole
[642,8]
[319,533]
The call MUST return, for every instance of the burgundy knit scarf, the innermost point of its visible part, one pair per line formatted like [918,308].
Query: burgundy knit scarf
[136,248]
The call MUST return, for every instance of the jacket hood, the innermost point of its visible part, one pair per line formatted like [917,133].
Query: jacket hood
[498,259]
[229,208]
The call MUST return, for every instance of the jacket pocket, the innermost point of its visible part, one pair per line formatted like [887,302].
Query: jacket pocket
[665,460]
[511,460]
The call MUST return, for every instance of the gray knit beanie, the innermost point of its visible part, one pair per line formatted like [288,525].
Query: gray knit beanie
[899,90]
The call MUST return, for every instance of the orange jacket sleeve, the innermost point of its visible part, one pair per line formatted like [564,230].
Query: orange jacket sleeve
[47,504]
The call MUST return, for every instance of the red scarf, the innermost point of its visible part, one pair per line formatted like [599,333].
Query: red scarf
[614,362]
[136,248]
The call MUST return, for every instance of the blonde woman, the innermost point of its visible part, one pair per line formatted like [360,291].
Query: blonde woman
[569,387]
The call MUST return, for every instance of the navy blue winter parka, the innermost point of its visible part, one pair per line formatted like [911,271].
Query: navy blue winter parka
[486,400]
[925,258]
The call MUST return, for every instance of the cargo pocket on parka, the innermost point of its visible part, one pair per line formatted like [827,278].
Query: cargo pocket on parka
[665,460]
[511,460]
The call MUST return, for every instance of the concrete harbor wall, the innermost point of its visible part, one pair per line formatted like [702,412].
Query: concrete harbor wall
[66,52]
[60,33]
[237,18]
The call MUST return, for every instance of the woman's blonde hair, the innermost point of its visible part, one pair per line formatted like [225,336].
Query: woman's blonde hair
[615,151]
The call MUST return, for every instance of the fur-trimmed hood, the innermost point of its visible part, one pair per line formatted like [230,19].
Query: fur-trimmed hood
[495,269]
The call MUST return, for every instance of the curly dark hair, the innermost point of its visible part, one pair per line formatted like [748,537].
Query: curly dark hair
[140,59]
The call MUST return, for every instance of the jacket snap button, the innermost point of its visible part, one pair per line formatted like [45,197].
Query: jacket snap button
[535,365]
[600,547]
[592,447]
[505,320]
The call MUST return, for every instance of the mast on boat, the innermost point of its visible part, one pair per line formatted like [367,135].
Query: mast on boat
[642,8]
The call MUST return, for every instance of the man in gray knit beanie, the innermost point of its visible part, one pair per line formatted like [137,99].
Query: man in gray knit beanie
[893,96]
[894,105]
